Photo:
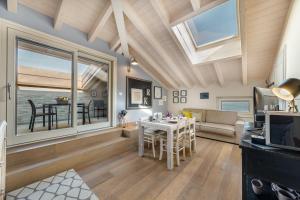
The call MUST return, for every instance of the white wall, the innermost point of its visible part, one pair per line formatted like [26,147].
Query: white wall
[230,89]
[287,62]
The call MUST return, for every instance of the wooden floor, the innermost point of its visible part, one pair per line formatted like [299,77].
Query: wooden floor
[214,172]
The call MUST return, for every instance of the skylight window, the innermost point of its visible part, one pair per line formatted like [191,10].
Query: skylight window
[214,25]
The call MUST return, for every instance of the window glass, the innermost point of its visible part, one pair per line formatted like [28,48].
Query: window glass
[215,24]
[43,88]
[92,91]
[235,105]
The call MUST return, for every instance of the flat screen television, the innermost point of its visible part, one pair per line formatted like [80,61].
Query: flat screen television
[263,100]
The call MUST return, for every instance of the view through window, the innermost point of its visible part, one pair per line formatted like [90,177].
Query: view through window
[235,105]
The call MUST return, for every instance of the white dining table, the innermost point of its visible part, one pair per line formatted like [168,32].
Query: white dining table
[159,125]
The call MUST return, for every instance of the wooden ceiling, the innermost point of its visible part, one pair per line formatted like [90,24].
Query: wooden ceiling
[142,29]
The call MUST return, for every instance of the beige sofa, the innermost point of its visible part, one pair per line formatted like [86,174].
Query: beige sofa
[218,125]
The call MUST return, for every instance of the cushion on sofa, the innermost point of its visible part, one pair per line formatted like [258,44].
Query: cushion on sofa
[187,114]
[222,129]
[196,110]
[198,116]
[221,117]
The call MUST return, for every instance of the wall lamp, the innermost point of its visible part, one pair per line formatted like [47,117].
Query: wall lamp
[133,62]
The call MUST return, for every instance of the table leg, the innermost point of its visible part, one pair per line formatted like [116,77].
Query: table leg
[170,149]
[141,140]
[44,118]
[49,117]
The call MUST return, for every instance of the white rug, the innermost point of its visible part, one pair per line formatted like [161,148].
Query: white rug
[67,185]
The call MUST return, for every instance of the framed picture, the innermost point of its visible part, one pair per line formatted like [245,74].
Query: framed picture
[136,96]
[204,95]
[183,93]
[182,99]
[175,99]
[176,93]
[138,93]
[157,92]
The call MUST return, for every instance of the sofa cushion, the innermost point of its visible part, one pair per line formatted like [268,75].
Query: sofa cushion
[197,116]
[221,117]
[187,114]
[222,129]
[196,110]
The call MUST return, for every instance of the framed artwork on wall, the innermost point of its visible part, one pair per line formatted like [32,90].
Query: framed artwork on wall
[182,99]
[183,93]
[157,92]
[204,95]
[138,93]
[93,93]
[175,99]
[176,93]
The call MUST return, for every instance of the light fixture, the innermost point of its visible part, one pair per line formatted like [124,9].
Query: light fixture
[288,91]
[133,62]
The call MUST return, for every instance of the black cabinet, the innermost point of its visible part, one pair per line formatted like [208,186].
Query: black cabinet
[278,166]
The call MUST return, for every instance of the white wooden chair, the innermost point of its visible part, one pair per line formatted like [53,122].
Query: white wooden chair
[150,136]
[191,134]
[179,141]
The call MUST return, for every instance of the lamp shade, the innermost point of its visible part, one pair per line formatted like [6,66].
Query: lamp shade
[288,90]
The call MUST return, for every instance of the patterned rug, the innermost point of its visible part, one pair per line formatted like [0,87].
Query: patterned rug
[67,185]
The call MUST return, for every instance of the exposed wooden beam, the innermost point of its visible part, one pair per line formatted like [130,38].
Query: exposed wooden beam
[219,73]
[243,31]
[115,43]
[58,21]
[146,67]
[12,6]
[208,6]
[195,4]
[100,22]
[138,48]
[142,28]
[161,11]
[120,22]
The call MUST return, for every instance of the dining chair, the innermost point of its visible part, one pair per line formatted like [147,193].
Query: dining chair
[85,110]
[99,105]
[191,134]
[35,114]
[178,143]
[151,136]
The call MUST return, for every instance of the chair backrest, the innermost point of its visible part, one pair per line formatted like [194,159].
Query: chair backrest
[33,108]
[99,103]
[192,125]
[89,104]
[181,129]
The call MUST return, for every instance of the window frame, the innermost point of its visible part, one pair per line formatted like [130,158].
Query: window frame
[219,41]
[236,99]
[10,32]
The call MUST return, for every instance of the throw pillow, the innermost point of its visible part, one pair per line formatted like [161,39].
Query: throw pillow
[187,114]
[198,116]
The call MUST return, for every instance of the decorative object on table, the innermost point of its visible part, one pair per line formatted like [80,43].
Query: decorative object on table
[62,100]
[138,93]
[157,92]
[284,193]
[257,186]
[204,95]
[288,91]
[168,115]
[94,93]
[164,98]
[122,118]
[176,93]
[183,93]
[65,185]
[175,99]
[182,99]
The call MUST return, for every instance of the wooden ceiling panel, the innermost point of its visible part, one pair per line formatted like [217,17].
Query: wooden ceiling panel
[46,7]
[264,24]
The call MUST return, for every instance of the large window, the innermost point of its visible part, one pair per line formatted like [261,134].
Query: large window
[56,88]
[216,24]
[235,105]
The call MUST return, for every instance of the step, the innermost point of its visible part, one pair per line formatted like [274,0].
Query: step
[19,176]
[45,151]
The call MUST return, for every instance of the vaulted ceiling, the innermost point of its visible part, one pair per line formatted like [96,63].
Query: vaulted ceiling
[143,29]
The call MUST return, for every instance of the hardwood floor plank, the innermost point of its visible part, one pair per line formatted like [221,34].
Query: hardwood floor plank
[213,173]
